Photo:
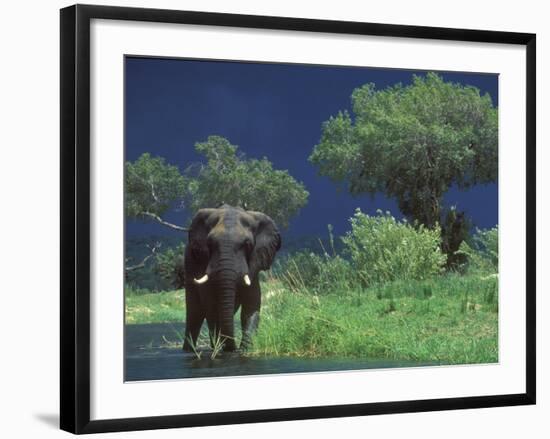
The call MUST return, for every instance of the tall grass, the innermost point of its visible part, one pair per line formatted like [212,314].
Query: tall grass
[447,320]
[450,319]
[314,273]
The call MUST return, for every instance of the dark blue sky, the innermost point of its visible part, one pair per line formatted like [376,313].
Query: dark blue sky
[272,110]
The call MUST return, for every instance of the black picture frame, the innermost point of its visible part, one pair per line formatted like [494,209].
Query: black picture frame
[75,217]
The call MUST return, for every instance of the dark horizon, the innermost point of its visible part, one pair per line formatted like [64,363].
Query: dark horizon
[271,110]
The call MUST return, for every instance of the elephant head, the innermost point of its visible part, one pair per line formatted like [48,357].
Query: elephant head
[226,250]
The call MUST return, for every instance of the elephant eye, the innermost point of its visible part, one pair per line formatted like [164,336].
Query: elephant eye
[248,245]
[199,251]
[211,243]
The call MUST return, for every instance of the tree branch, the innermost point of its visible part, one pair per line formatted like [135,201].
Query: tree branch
[153,192]
[144,261]
[165,223]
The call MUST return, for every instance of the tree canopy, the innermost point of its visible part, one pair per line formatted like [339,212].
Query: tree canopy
[412,143]
[229,177]
[153,187]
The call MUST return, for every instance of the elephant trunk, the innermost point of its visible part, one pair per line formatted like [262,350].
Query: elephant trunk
[226,284]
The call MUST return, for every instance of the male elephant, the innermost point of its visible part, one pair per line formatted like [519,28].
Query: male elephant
[227,248]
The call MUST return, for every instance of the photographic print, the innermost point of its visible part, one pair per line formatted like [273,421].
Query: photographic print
[285,218]
[275,203]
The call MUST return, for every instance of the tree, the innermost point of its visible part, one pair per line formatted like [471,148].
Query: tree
[152,187]
[412,143]
[229,177]
[169,265]
[153,252]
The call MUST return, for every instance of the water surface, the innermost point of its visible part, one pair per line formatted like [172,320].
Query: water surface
[151,355]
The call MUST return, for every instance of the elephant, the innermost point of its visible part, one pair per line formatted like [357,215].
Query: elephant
[227,248]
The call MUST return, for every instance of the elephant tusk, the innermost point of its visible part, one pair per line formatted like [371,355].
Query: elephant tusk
[201,280]
[247,280]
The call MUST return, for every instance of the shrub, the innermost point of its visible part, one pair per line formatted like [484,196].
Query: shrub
[169,265]
[481,251]
[383,249]
[133,290]
[305,271]
[299,269]
[309,272]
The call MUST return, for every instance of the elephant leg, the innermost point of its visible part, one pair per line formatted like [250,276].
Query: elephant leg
[250,317]
[193,322]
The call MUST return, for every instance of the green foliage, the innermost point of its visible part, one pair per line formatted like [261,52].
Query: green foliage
[427,320]
[318,274]
[167,306]
[450,319]
[229,177]
[482,251]
[133,290]
[378,249]
[412,143]
[151,186]
[167,262]
[150,277]
[383,249]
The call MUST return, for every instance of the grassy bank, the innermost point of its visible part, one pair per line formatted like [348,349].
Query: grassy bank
[449,319]
[168,306]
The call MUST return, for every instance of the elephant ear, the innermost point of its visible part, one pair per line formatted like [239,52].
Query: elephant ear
[198,232]
[268,243]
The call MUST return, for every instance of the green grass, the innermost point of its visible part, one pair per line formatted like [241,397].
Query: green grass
[162,307]
[450,319]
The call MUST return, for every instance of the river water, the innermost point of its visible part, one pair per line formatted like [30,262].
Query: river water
[153,352]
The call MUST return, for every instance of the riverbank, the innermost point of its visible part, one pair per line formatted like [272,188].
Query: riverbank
[451,319]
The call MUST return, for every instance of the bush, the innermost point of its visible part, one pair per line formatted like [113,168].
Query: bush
[305,271]
[481,251]
[383,249]
[299,269]
[169,265]
[133,290]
